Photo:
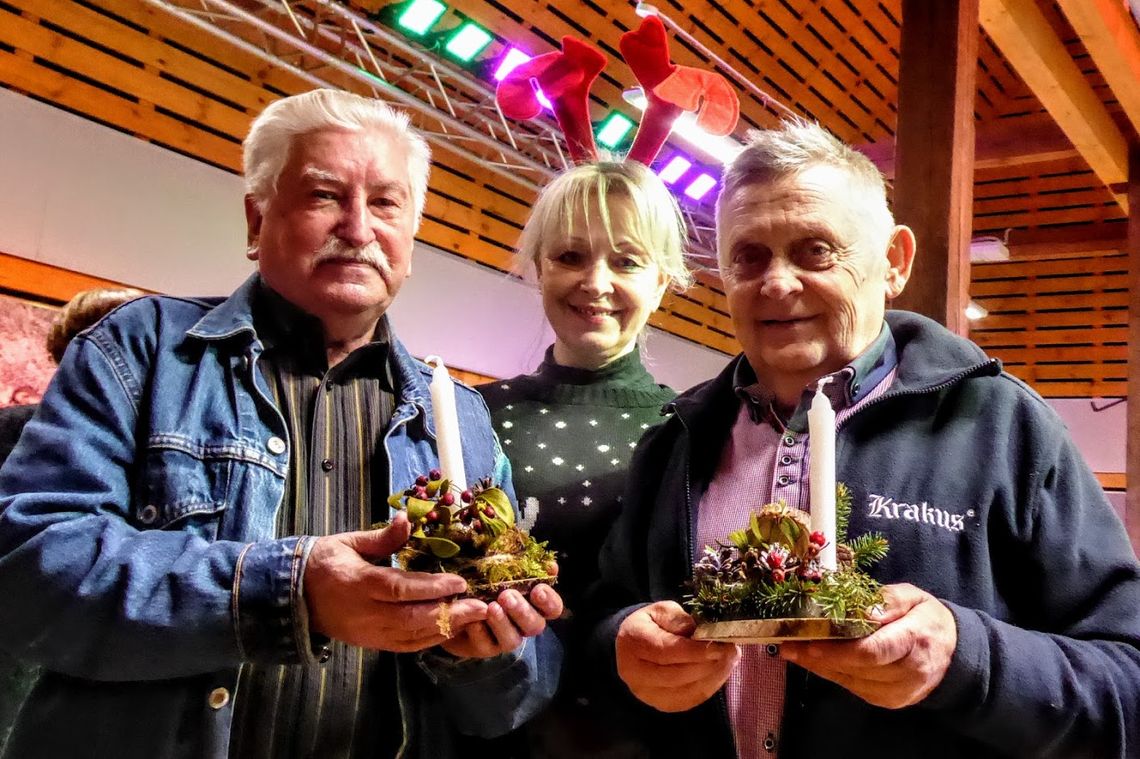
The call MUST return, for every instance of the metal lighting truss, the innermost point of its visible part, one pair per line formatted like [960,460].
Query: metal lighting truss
[323,42]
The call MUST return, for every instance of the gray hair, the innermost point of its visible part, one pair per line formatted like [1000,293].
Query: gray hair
[271,136]
[659,227]
[796,145]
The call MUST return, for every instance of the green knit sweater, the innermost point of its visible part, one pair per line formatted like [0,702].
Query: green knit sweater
[569,434]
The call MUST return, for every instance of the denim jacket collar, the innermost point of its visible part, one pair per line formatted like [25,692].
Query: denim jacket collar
[231,317]
[234,316]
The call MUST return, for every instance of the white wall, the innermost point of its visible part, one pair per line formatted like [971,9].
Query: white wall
[87,198]
[1101,433]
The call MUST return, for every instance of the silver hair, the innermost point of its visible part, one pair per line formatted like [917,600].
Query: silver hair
[792,147]
[659,225]
[271,136]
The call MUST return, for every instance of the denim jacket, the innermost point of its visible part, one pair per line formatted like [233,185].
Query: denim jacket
[138,558]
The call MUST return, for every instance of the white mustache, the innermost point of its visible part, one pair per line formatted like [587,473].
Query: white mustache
[335,249]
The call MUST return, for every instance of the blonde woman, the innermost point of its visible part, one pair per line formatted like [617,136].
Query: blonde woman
[605,241]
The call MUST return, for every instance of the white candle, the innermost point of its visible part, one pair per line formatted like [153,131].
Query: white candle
[821,475]
[446,424]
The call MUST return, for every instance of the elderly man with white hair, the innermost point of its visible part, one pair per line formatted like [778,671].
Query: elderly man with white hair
[184,542]
[1012,617]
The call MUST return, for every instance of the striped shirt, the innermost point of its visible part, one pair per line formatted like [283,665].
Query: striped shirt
[766,460]
[336,418]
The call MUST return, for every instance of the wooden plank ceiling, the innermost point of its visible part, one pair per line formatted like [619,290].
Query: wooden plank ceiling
[1057,309]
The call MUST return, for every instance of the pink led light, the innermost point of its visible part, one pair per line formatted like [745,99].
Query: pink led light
[509,62]
[512,59]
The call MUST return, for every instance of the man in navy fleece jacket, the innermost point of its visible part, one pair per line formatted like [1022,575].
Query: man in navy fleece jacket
[1012,626]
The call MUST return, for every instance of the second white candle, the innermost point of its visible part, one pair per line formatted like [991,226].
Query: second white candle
[821,471]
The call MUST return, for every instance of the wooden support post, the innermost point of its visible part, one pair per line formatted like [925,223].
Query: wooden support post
[934,154]
[1132,459]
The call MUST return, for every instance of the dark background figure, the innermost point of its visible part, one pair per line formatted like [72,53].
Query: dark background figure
[81,312]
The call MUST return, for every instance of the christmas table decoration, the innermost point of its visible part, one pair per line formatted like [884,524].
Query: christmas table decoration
[767,583]
[472,533]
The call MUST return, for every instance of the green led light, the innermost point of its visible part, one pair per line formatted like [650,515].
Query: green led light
[420,16]
[614,129]
[468,42]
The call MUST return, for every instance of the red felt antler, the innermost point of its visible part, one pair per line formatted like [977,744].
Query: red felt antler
[565,77]
[671,89]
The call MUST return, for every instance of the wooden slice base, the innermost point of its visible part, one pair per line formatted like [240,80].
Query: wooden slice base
[780,630]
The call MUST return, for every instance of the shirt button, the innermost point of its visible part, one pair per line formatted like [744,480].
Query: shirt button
[324,654]
[148,514]
[770,742]
[327,465]
[275,445]
[789,440]
[772,649]
[783,479]
[218,698]
[785,460]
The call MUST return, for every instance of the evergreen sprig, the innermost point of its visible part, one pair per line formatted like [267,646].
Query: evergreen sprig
[868,549]
[847,594]
[842,511]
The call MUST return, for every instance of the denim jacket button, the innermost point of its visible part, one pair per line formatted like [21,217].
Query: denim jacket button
[275,445]
[148,514]
[219,697]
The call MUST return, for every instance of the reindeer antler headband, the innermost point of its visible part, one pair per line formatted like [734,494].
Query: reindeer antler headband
[565,77]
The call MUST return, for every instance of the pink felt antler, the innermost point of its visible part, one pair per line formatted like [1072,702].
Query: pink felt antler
[565,77]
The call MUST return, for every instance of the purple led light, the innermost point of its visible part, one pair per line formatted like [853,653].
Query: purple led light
[675,169]
[700,186]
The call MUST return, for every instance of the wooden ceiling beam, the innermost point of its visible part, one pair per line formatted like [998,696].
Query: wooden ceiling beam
[1110,35]
[1000,143]
[1028,42]
[935,155]
[1067,242]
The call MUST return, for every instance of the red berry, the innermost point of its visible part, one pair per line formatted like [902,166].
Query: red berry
[447,499]
[477,525]
[421,493]
[466,496]
[435,474]
[818,538]
[775,560]
[777,575]
[488,512]
[432,516]
[422,481]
